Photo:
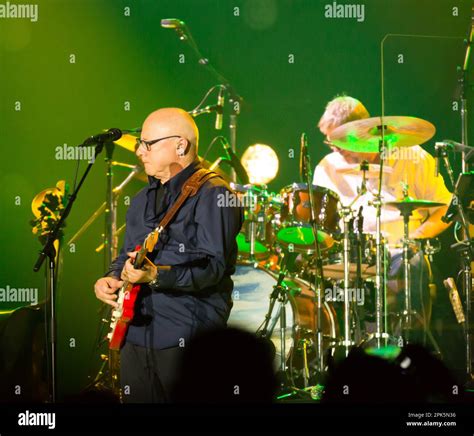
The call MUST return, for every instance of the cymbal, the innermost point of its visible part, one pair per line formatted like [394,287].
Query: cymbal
[409,204]
[207,164]
[127,141]
[60,191]
[363,136]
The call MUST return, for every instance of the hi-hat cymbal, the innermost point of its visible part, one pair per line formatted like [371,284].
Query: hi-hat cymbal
[363,136]
[409,204]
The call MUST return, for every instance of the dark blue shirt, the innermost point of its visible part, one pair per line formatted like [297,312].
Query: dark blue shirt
[199,245]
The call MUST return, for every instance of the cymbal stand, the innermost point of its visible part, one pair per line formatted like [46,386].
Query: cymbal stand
[347,343]
[348,219]
[407,313]
[381,335]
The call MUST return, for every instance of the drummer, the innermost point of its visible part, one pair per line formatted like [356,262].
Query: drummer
[412,172]
[413,169]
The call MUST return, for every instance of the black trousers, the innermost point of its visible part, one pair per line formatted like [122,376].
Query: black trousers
[148,375]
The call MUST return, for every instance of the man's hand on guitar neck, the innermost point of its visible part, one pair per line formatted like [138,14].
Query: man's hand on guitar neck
[106,288]
[144,275]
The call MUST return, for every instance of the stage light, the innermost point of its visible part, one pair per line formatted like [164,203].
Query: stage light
[261,163]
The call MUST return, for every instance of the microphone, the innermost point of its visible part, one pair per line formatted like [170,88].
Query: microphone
[364,167]
[235,162]
[220,108]
[440,148]
[360,221]
[172,23]
[176,24]
[110,136]
[303,159]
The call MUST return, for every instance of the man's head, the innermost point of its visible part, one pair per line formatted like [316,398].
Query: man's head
[167,157]
[340,111]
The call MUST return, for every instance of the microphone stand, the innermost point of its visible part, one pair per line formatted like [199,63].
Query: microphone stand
[49,252]
[234,98]
[465,250]
[463,84]
[465,247]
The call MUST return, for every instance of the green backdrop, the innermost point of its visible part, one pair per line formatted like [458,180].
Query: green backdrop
[122,54]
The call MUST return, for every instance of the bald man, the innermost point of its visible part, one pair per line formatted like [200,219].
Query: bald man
[200,246]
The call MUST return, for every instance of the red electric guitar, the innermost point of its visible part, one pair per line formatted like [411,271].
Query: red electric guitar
[123,314]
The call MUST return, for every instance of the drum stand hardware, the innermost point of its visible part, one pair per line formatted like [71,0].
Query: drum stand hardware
[280,293]
[381,334]
[347,343]
[304,343]
[347,216]
[407,313]
[319,276]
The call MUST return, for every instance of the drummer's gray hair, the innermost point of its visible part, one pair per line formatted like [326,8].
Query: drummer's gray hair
[341,110]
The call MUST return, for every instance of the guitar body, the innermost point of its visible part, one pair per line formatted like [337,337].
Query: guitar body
[127,296]
[123,316]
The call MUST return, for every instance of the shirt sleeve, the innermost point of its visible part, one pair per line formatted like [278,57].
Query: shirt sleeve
[217,228]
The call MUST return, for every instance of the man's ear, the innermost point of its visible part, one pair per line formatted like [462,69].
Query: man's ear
[183,147]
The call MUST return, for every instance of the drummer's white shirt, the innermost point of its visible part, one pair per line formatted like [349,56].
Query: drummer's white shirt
[413,166]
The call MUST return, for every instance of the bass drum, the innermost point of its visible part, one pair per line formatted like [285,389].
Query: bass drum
[253,286]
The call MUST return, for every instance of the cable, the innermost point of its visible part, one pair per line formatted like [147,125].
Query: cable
[457,226]
[206,96]
[222,138]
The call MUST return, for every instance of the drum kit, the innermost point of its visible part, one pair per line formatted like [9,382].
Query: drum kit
[314,298]
[278,259]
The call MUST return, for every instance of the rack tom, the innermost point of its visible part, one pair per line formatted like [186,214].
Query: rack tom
[296,233]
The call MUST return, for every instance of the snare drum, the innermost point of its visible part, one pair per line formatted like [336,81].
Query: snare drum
[296,233]
[251,298]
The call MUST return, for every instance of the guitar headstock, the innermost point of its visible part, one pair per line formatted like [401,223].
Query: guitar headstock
[151,240]
[147,247]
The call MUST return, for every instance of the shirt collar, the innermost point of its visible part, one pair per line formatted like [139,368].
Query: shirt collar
[174,185]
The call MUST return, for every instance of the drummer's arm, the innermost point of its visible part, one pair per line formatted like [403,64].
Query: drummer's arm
[431,187]
[433,226]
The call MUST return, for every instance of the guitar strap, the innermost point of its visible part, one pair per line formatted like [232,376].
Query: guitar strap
[189,189]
